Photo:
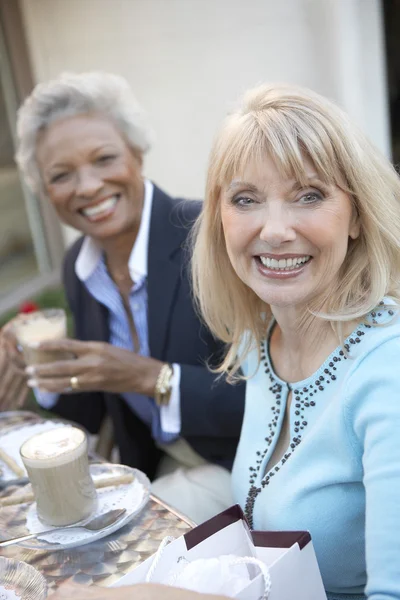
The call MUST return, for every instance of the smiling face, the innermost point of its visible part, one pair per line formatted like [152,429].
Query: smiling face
[286,241]
[91,176]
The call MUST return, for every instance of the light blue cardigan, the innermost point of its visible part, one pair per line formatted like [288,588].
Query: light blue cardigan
[340,476]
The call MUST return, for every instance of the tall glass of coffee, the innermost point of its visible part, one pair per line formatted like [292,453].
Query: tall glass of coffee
[58,468]
[40,326]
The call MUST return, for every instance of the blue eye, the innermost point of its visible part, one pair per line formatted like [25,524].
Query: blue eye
[242,201]
[311,197]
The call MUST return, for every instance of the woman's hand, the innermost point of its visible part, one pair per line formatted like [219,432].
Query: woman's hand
[13,388]
[8,341]
[98,366]
[141,591]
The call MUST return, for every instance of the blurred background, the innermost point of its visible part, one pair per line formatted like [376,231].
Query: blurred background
[187,61]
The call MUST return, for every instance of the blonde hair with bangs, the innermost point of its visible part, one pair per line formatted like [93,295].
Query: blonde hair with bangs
[289,123]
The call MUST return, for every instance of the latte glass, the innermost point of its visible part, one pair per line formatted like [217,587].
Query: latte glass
[40,326]
[58,469]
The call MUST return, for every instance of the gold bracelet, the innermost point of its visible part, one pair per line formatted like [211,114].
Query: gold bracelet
[163,388]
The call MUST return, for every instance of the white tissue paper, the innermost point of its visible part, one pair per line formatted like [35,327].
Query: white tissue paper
[225,575]
[222,556]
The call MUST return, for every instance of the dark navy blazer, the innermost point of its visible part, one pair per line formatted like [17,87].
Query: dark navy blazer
[211,409]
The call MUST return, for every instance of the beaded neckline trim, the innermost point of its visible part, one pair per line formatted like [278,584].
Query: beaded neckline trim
[304,394]
[303,398]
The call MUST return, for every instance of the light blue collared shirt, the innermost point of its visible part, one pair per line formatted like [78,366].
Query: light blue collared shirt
[90,268]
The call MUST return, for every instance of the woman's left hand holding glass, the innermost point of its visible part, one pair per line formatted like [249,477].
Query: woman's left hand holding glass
[98,366]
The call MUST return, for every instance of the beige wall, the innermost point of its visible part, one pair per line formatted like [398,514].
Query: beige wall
[188,60]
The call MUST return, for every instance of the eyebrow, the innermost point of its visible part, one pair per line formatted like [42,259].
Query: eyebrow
[57,166]
[240,184]
[312,178]
[104,147]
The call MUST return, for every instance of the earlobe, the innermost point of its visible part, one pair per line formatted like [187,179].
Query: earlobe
[355,231]
[355,227]
[138,156]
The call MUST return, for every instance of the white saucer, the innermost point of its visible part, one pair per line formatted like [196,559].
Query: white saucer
[11,414]
[132,496]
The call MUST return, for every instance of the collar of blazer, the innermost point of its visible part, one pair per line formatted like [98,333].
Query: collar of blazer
[169,225]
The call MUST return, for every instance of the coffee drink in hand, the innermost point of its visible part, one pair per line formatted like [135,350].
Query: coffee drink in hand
[58,469]
[40,326]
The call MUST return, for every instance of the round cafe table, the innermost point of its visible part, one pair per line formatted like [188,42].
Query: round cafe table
[105,561]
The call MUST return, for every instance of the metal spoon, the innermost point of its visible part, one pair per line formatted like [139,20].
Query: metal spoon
[9,482]
[96,524]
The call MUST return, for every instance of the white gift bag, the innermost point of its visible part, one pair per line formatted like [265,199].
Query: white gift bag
[288,555]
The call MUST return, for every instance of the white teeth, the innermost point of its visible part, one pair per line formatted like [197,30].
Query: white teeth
[284,263]
[92,211]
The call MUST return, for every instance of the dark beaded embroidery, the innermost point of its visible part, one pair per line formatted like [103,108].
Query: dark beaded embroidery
[301,404]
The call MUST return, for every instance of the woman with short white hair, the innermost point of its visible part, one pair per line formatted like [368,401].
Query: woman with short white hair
[71,94]
[140,348]
[297,268]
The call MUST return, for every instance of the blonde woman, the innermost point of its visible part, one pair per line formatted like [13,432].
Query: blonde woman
[297,268]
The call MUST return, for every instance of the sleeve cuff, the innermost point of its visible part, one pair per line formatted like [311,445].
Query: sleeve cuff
[170,415]
[46,400]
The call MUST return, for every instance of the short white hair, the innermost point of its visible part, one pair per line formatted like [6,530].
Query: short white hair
[73,94]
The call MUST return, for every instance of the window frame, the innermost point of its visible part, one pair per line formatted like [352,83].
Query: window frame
[17,81]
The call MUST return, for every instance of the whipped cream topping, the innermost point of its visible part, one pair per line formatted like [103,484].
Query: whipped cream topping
[38,327]
[53,444]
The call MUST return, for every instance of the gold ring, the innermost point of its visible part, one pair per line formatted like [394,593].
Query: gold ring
[74,383]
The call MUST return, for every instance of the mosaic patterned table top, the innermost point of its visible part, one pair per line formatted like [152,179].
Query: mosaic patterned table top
[107,560]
